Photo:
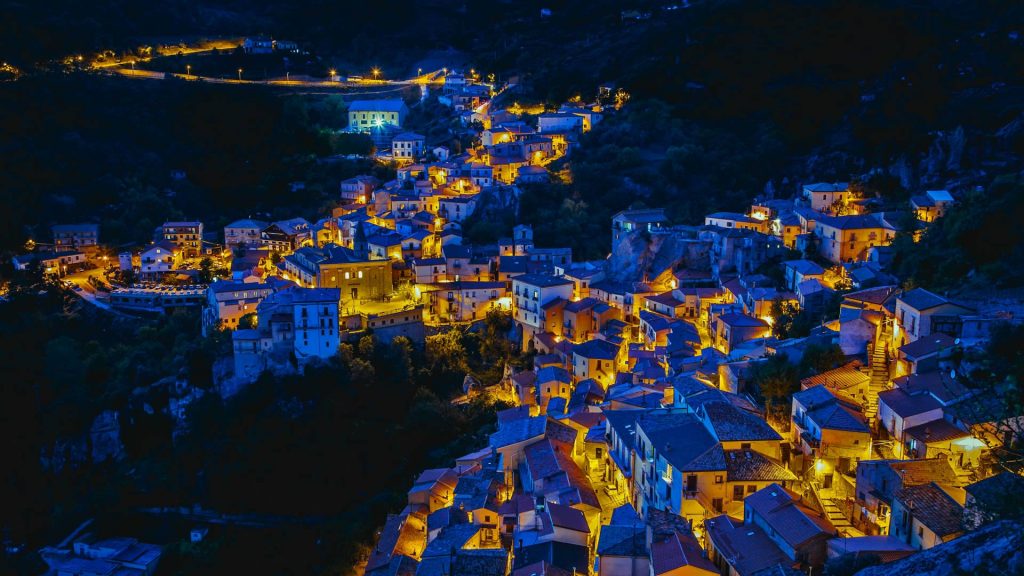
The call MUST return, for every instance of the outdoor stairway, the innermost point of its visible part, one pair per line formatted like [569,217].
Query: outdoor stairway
[879,375]
[831,508]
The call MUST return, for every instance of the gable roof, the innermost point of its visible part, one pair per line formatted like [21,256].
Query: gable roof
[747,548]
[752,466]
[730,424]
[383,105]
[788,516]
[933,507]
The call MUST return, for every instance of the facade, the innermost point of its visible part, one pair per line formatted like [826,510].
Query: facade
[244,233]
[407,147]
[159,259]
[227,302]
[365,115]
[188,236]
[75,236]
[849,238]
[530,293]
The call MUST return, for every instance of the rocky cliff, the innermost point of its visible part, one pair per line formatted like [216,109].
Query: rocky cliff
[994,549]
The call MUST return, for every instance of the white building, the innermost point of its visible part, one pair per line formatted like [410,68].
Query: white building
[315,318]
[530,293]
[245,232]
[407,146]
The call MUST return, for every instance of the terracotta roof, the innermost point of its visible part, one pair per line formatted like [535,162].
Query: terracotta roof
[787,515]
[933,507]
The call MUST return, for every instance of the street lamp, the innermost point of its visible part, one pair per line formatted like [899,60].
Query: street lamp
[188,70]
[376,73]
[419,71]
[333,74]
[239,74]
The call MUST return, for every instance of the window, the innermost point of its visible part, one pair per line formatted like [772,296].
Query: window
[737,492]
[745,446]
[718,478]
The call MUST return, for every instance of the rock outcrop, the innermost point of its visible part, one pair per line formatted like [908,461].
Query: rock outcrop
[994,549]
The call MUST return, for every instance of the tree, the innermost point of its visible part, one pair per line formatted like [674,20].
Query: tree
[206,270]
[247,321]
[773,380]
[820,358]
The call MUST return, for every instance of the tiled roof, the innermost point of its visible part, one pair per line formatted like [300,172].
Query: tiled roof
[541,280]
[921,299]
[393,105]
[628,540]
[737,319]
[677,552]
[731,424]
[752,466]
[904,404]
[744,547]
[939,430]
[933,507]
[567,517]
[519,430]
[927,345]
[795,522]
[597,350]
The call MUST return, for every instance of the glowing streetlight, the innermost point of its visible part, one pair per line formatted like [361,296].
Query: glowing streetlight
[333,74]
[376,73]
[419,71]
[239,74]
[188,70]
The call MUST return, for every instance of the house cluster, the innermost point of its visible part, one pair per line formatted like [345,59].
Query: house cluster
[641,444]
[69,251]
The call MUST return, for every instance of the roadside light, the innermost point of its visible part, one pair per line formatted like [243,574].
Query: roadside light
[819,465]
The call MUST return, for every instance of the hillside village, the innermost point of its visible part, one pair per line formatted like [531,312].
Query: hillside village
[648,436]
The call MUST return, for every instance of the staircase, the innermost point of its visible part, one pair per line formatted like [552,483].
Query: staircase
[879,372]
[831,508]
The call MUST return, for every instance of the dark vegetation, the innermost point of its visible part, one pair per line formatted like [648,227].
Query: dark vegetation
[79,147]
[336,445]
[727,97]
[979,244]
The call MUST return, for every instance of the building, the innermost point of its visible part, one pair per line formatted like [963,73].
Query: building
[407,147]
[359,189]
[285,236]
[920,313]
[735,328]
[245,233]
[57,263]
[364,115]
[159,259]
[823,195]
[188,236]
[631,220]
[465,301]
[75,236]
[927,515]
[931,205]
[530,294]
[848,238]
[227,302]
[114,556]
[598,360]
[333,266]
